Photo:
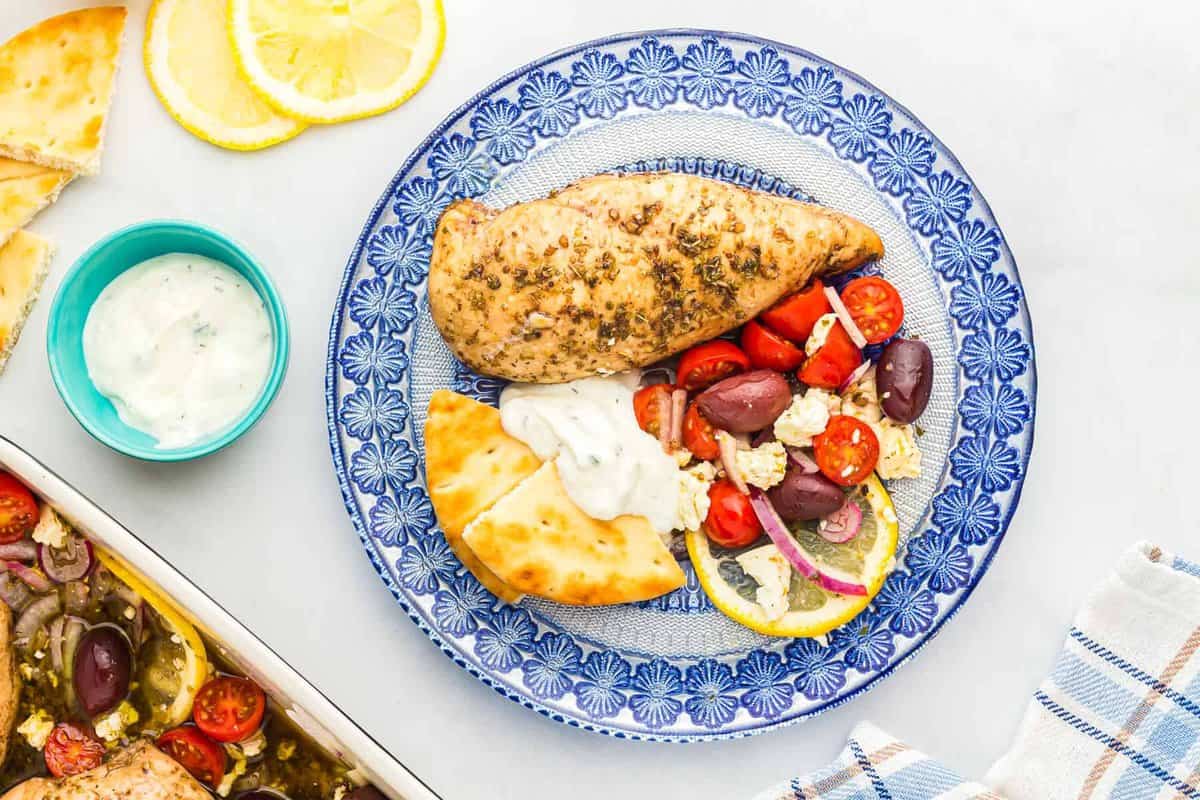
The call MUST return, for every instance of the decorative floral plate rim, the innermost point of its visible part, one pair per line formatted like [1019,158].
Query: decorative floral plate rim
[650,726]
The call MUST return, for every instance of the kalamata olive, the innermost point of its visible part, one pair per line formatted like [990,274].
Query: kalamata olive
[805,496]
[365,793]
[103,664]
[904,376]
[746,403]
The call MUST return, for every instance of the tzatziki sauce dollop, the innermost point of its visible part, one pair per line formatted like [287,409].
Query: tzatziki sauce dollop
[182,346]
[608,465]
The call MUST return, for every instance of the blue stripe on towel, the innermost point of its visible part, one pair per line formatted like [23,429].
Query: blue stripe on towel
[1099,650]
[1111,742]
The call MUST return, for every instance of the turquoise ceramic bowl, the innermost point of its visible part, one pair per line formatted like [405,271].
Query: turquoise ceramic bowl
[94,270]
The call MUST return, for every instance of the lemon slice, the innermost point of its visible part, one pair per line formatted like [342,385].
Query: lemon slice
[177,667]
[812,610]
[336,60]
[190,64]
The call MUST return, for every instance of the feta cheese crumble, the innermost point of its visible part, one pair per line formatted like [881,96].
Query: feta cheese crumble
[764,466]
[693,494]
[111,726]
[36,729]
[820,332]
[899,456]
[804,418]
[50,530]
[774,576]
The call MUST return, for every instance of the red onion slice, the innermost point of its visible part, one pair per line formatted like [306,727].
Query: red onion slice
[835,580]
[662,415]
[728,447]
[24,550]
[33,578]
[779,535]
[843,315]
[856,376]
[56,643]
[842,525]
[71,562]
[678,409]
[34,617]
[802,461]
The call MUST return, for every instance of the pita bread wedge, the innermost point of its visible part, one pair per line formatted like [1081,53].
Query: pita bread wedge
[56,85]
[24,262]
[25,189]
[470,463]
[539,542]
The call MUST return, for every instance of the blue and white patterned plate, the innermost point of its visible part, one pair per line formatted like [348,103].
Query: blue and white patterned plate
[759,114]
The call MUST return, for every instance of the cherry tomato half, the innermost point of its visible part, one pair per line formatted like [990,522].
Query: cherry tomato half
[875,306]
[731,521]
[707,363]
[72,749]
[652,406]
[829,367]
[793,317]
[229,709]
[18,509]
[769,350]
[846,451]
[195,752]
[699,436]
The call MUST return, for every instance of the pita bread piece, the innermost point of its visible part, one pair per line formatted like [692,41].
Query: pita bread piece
[470,463]
[24,262]
[56,85]
[539,542]
[25,189]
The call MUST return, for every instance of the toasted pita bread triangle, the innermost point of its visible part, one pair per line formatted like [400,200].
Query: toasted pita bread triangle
[539,542]
[24,262]
[25,189]
[56,85]
[470,463]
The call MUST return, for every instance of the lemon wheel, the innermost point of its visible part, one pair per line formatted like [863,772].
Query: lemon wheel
[812,611]
[190,64]
[336,60]
[182,667]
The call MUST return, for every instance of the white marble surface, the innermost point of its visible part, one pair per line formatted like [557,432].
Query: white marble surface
[1078,121]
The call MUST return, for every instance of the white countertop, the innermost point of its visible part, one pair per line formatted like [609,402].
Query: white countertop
[1077,120]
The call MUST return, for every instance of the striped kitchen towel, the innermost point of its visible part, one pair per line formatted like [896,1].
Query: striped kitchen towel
[876,766]
[1119,717]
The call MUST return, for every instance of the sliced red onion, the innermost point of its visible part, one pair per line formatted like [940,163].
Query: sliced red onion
[842,525]
[56,643]
[24,550]
[742,440]
[728,447]
[765,436]
[33,578]
[14,592]
[71,562]
[662,414]
[71,636]
[678,409]
[33,618]
[802,461]
[778,533]
[856,376]
[835,580]
[843,315]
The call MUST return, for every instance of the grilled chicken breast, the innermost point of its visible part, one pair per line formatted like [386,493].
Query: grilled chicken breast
[140,772]
[10,684]
[620,271]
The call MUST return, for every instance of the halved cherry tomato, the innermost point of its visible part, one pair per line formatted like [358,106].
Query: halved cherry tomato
[793,317]
[829,367]
[195,752]
[652,406]
[699,436]
[229,709]
[731,521]
[72,749]
[769,350]
[875,306]
[18,509]
[707,363]
[846,451]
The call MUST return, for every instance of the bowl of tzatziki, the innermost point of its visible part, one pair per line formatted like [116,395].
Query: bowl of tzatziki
[167,340]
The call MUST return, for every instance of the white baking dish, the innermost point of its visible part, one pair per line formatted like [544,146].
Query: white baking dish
[308,708]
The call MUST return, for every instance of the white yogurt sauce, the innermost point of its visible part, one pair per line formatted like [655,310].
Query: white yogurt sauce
[608,465]
[181,344]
